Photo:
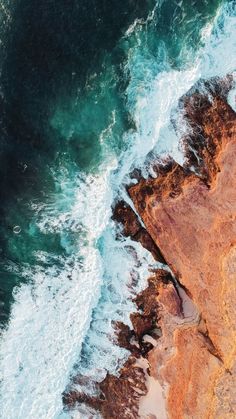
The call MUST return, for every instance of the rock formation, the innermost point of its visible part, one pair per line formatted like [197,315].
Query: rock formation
[183,343]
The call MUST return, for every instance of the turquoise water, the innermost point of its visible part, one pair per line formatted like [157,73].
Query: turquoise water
[64,83]
[87,93]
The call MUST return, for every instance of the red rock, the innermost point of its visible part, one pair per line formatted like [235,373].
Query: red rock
[131,226]
[192,219]
[122,393]
[124,336]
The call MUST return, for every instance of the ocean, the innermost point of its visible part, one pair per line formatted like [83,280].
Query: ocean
[88,92]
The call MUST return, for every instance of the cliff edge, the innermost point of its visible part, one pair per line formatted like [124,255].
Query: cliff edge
[190,213]
[183,342]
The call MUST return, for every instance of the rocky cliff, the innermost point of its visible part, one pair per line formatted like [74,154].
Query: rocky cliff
[183,342]
[190,213]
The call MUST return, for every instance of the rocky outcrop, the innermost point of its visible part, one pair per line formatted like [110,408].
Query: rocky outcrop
[191,216]
[183,337]
[131,226]
[120,397]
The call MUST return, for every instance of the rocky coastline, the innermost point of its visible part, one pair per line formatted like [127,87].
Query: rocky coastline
[183,338]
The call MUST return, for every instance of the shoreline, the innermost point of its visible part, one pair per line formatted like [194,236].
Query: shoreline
[182,332]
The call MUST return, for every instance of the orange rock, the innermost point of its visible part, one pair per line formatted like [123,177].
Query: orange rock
[192,219]
[183,342]
[131,226]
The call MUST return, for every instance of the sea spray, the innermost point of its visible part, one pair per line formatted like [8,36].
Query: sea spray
[52,312]
[91,283]
[152,105]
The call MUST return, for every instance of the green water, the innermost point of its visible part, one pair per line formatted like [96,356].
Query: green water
[83,86]
[64,104]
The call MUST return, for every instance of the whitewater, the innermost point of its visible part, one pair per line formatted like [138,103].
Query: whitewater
[66,310]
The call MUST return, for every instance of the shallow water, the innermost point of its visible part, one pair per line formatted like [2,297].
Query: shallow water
[88,91]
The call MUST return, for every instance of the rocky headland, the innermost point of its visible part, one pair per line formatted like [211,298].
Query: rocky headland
[182,345]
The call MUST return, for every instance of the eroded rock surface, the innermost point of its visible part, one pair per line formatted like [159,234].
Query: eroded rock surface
[192,219]
[183,337]
[132,227]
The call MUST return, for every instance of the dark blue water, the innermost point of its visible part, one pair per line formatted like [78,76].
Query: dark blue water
[51,50]
[83,85]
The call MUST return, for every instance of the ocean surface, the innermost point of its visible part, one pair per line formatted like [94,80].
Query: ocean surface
[88,92]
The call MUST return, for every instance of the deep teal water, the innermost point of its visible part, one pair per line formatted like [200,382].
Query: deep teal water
[51,118]
[84,88]
[62,80]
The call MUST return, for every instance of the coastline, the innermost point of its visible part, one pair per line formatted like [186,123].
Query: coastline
[184,327]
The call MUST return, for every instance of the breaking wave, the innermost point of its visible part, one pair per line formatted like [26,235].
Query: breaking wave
[61,318]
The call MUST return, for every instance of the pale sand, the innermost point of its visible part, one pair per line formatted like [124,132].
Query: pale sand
[151,406]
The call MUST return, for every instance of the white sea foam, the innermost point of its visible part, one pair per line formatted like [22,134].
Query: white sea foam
[232,96]
[51,314]
[152,98]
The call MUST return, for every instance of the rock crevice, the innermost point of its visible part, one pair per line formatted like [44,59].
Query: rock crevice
[183,336]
